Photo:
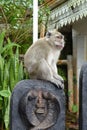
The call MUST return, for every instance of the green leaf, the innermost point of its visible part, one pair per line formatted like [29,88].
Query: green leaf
[2,63]
[69,92]
[75,108]
[5,93]
[6,76]
[1,98]
[1,41]
[9,46]
[21,73]
[6,116]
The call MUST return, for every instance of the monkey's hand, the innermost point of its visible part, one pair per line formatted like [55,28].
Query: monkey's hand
[58,80]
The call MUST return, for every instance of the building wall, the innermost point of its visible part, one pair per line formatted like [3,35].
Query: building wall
[79,35]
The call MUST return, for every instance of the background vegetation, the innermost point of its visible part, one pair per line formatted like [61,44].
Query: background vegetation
[11,71]
[16,19]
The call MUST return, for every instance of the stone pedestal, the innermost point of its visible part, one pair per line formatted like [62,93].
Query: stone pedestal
[83,98]
[37,105]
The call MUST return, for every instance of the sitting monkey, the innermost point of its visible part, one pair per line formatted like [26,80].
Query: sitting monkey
[41,58]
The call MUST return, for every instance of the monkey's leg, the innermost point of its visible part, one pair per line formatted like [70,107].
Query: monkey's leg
[45,72]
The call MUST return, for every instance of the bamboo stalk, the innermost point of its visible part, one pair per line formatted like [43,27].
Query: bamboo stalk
[70,81]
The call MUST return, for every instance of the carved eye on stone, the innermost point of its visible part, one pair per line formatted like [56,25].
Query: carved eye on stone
[30,98]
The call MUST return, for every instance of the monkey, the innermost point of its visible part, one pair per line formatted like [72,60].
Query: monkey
[42,56]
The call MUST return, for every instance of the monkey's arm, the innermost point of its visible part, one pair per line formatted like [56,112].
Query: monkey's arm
[53,69]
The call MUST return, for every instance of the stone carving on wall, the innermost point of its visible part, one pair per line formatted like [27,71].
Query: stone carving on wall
[40,109]
[37,105]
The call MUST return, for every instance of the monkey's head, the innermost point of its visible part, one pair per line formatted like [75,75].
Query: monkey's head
[56,39]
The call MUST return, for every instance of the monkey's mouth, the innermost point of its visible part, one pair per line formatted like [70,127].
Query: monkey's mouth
[59,46]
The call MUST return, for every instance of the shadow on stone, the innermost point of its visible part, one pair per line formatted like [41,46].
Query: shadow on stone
[83,98]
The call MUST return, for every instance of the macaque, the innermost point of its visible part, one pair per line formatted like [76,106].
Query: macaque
[41,58]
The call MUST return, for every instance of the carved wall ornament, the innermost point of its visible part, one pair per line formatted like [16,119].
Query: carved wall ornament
[39,108]
[37,105]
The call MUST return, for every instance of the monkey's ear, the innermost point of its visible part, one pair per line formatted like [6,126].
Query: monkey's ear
[48,34]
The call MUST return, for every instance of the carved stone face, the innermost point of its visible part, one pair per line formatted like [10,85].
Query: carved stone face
[40,108]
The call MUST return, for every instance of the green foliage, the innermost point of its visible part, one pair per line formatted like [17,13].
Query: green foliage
[75,108]
[44,14]
[17,19]
[74,79]
[11,71]
[69,93]
[62,71]
[5,93]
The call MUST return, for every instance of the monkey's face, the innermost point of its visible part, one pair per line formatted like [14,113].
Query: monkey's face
[56,39]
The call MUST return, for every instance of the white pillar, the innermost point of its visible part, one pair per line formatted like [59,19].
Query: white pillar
[35,20]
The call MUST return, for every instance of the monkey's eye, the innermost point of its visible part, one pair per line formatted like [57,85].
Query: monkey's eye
[48,34]
[59,37]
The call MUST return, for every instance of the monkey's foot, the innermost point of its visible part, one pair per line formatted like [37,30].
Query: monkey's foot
[59,83]
[58,80]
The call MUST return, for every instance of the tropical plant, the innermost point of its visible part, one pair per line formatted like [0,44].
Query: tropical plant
[16,18]
[11,71]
